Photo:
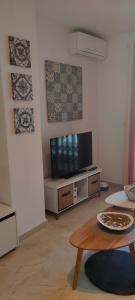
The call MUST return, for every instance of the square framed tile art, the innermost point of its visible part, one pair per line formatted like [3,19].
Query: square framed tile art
[23,120]
[19,52]
[63,91]
[21,87]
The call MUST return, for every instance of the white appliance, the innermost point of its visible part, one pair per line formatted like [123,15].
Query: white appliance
[8,229]
[85,44]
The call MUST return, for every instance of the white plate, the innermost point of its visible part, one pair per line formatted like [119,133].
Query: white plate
[114,227]
[120,199]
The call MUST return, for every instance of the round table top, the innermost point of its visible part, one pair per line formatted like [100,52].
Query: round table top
[91,236]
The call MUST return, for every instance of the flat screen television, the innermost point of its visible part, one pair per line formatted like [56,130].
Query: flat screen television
[70,154]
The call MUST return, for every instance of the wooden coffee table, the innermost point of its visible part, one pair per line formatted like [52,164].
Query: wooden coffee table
[91,237]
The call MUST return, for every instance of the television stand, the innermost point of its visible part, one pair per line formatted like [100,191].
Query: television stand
[92,168]
[74,174]
[61,194]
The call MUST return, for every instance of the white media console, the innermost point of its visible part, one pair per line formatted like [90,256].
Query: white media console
[61,194]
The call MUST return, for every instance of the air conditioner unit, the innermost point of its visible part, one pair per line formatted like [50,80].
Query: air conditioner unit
[85,44]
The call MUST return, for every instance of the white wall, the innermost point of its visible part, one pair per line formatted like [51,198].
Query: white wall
[53,45]
[5,193]
[113,87]
[22,158]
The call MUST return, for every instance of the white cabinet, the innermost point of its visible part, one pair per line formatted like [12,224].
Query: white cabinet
[61,194]
[8,230]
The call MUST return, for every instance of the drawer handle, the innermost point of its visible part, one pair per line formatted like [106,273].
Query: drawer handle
[95,181]
[66,194]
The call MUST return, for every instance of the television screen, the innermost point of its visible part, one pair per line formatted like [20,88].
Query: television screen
[70,154]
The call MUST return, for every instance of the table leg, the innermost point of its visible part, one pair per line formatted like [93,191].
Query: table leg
[132,252]
[77,268]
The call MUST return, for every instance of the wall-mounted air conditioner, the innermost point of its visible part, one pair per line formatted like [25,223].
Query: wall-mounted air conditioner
[85,44]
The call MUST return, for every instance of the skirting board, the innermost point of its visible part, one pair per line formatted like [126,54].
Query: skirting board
[33,230]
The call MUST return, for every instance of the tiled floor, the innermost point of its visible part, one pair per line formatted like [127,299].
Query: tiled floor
[42,267]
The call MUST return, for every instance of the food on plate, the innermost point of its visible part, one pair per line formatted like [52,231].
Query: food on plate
[115,220]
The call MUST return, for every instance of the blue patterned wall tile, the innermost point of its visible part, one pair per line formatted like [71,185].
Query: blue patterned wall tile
[21,87]
[63,86]
[19,52]
[23,120]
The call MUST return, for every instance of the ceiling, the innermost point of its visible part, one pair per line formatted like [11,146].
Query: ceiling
[102,17]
